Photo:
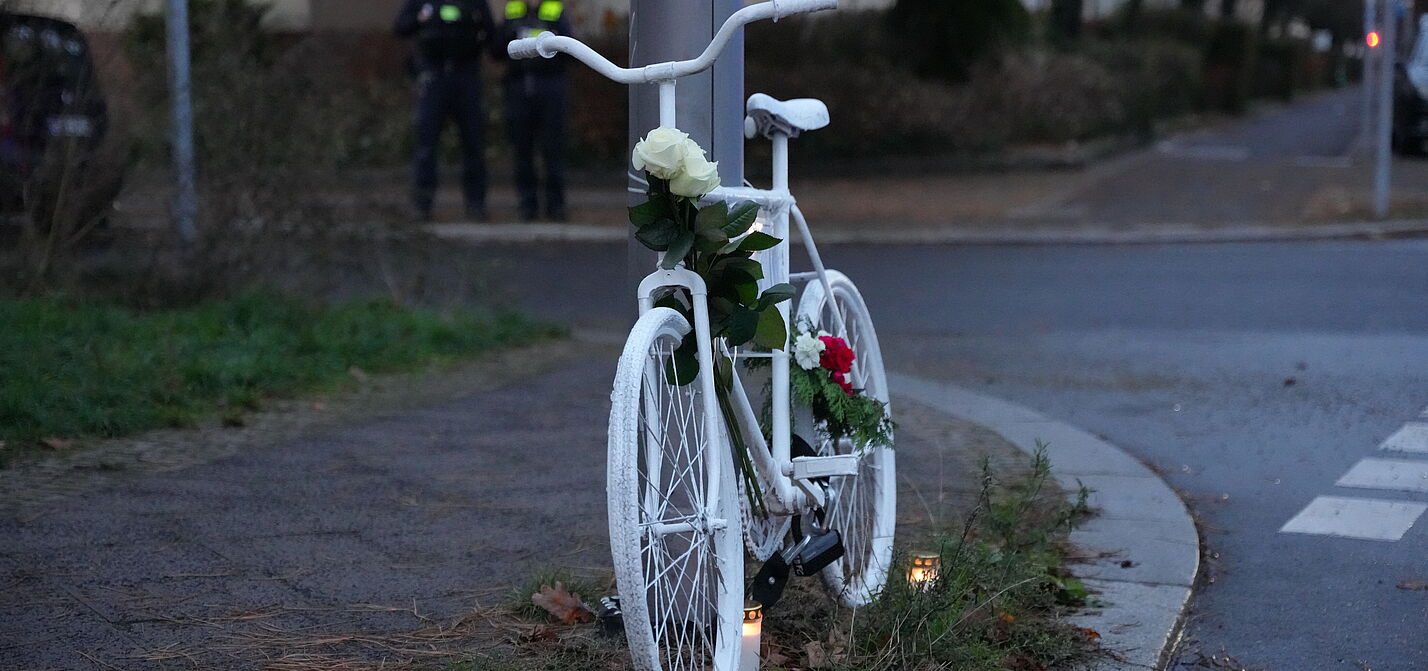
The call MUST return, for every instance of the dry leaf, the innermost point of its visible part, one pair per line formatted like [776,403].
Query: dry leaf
[1007,618]
[774,658]
[1414,585]
[817,658]
[319,405]
[562,605]
[57,444]
[541,633]
[1090,633]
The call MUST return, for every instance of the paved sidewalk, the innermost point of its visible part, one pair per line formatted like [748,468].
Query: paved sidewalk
[1281,172]
[326,542]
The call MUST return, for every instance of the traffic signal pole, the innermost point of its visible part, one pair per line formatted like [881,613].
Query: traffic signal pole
[1387,55]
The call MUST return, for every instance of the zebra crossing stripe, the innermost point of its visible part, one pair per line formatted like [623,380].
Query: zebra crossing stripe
[1364,519]
[1405,476]
[1413,437]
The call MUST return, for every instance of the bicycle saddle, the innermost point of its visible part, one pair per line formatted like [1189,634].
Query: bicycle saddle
[768,116]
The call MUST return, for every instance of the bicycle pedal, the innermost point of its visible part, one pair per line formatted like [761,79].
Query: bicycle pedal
[612,621]
[769,582]
[816,551]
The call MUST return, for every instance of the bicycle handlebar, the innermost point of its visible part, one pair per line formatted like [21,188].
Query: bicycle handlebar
[547,45]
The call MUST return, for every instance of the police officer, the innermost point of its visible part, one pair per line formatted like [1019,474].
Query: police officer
[536,91]
[451,37]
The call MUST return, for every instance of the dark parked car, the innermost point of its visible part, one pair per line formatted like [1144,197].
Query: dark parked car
[1410,96]
[53,120]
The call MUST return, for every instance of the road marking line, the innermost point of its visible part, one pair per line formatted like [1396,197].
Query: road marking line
[1323,162]
[1366,519]
[1413,437]
[1204,152]
[1407,476]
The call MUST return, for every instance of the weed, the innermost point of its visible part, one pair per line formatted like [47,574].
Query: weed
[997,601]
[588,588]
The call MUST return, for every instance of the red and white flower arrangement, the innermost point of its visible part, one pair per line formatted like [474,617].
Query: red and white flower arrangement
[823,382]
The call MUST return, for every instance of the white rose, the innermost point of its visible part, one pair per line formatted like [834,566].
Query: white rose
[662,152]
[699,176]
[807,350]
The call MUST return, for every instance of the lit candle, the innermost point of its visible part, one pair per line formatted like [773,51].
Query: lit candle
[923,569]
[753,629]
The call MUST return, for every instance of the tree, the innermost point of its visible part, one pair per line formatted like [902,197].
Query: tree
[946,38]
[1228,8]
[1066,21]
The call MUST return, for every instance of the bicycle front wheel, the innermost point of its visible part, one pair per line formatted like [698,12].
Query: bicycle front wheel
[674,523]
[862,507]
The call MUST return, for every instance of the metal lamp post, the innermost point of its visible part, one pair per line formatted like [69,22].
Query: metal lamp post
[185,200]
[661,30]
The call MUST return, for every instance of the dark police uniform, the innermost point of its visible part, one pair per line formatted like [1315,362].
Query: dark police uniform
[536,91]
[451,37]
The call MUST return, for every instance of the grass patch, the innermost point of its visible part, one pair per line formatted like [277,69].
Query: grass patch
[74,369]
[587,588]
[998,602]
[997,605]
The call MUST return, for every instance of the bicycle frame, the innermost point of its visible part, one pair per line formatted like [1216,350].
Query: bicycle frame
[773,462]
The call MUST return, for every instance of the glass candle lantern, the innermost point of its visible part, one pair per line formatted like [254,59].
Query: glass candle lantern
[753,630]
[923,569]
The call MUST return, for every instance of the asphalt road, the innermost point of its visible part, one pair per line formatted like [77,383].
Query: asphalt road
[1251,377]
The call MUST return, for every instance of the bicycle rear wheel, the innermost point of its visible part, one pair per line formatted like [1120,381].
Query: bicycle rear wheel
[674,522]
[862,507]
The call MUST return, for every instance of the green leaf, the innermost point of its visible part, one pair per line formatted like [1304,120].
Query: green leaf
[678,249]
[771,332]
[657,207]
[658,234]
[757,242]
[741,219]
[747,290]
[683,367]
[713,217]
[720,308]
[776,294]
[748,267]
[742,327]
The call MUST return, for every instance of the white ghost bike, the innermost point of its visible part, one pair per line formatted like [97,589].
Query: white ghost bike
[680,526]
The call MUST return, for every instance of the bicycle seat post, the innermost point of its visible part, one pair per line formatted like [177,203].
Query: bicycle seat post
[780,163]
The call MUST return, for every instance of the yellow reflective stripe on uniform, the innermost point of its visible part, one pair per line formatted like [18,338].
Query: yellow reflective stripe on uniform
[450,13]
[550,10]
[516,9]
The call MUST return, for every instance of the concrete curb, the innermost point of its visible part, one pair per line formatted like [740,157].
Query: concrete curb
[1089,235]
[1142,550]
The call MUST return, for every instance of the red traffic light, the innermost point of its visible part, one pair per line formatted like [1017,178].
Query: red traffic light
[1372,39]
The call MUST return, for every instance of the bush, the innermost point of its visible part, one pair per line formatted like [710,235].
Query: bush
[1159,23]
[1230,67]
[279,122]
[1047,97]
[844,60]
[944,40]
[1155,78]
[1285,67]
